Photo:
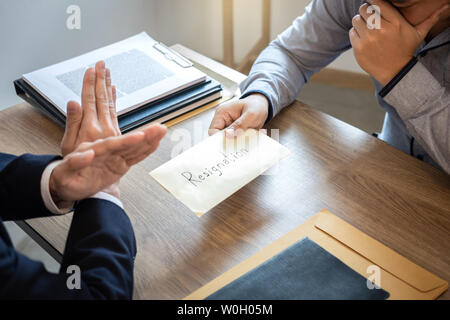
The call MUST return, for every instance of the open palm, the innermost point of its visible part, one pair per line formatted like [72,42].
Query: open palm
[95,166]
[96,155]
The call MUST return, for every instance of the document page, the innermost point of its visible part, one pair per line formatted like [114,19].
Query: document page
[141,72]
[213,170]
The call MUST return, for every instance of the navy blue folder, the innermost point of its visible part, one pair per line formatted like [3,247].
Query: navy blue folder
[154,111]
[304,271]
[135,118]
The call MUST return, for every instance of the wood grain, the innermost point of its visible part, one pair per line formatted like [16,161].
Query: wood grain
[396,199]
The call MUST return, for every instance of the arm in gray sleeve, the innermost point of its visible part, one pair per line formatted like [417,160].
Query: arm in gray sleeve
[424,106]
[313,41]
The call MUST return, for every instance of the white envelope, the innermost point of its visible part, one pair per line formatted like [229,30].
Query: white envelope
[216,168]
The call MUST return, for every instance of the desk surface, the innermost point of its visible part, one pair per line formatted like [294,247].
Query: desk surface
[396,199]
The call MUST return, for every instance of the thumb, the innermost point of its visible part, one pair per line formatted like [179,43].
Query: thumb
[424,28]
[73,123]
[237,127]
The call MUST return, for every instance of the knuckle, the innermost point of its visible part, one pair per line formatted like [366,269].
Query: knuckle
[238,123]
[110,132]
[93,133]
[101,98]
[64,148]
[90,97]
[251,114]
[221,109]
[84,145]
[363,7]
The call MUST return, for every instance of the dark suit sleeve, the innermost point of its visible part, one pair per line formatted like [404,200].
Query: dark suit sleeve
[20,186]
[101,243]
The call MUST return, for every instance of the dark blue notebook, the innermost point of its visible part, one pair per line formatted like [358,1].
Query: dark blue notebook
[131,120]
[304,271]
[154,111]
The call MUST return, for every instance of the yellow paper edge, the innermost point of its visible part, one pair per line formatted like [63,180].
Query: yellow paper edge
[198,111]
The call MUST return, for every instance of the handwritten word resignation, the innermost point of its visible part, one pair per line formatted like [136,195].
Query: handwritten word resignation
[218,169]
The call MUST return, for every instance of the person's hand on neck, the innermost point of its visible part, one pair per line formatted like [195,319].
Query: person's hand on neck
[417,11]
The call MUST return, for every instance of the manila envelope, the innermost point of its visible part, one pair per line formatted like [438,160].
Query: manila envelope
[403,279]
[216,168]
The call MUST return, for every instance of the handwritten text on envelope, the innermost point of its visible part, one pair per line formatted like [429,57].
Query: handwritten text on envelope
[216,168]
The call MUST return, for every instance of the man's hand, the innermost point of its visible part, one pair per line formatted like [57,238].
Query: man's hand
[94,166]
[384,52]
[240,115]
[95,153]
[96,118]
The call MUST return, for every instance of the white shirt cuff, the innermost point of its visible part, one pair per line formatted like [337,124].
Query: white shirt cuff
[108,197]
[48,200]
[45,191]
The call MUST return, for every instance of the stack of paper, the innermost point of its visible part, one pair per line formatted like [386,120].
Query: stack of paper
[153,82]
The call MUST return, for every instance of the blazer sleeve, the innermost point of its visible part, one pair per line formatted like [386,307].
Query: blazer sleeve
[100,244]
[20,186]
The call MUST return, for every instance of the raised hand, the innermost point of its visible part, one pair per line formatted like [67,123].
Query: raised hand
[94,166]
[96,118]
[95,153]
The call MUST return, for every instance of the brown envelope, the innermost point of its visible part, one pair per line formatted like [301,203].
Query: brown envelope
[399,276]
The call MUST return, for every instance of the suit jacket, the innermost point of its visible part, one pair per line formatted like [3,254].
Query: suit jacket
[100,242]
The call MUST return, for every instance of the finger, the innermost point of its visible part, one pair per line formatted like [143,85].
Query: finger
[73,124]
[101,96]
[113,111]
[387,10]
[88,96]
[222,119]
[118,145]
[217,124]
[79,160]
[360,25]
[153,135]
[424,28]
[108,84]
[112,103]
[143,153]
[365,12]
[354,37]
[114,91]
[237,127]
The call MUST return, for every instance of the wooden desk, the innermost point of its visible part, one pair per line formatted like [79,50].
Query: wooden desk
[391,196]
